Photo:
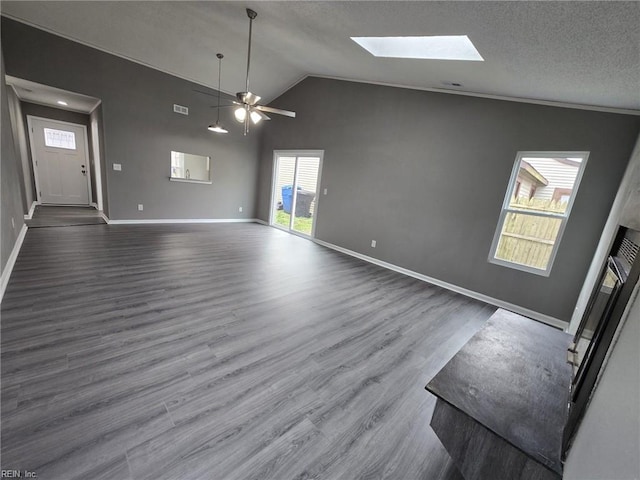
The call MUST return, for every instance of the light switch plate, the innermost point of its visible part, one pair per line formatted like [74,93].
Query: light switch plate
[140,207]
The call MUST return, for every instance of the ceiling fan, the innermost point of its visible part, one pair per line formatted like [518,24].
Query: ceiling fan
[248,109]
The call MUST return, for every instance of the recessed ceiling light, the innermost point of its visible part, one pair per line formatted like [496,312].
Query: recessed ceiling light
[60,102]
[448,47]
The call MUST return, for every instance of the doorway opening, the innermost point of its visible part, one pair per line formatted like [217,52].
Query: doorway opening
[294,196]
[65,111]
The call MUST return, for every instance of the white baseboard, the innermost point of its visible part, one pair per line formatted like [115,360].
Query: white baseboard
[554,322]
[11,261]
[181,220]
[104,217]
[29,215]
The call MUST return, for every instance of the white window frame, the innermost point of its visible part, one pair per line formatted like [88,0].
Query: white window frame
[274,180]
[563,217]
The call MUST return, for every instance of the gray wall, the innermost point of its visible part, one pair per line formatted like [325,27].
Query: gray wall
[11,204]
[425,175]
[22,150]
[63,116]
[140,128]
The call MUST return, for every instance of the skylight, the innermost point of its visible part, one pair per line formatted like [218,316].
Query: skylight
[449,47]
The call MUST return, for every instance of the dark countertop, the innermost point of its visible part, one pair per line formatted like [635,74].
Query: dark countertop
[513,378]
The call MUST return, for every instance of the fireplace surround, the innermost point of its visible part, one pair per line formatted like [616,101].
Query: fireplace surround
[599,323]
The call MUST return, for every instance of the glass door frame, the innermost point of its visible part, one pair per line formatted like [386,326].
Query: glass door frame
[274,194]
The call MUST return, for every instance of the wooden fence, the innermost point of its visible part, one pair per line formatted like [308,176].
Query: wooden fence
[528,239]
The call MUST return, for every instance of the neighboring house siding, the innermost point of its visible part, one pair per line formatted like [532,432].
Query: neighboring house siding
[559,175]
[307,177]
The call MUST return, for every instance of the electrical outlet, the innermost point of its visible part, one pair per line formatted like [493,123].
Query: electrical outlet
[117,167]
[240,209]
[13,223]
[140,207]
[325,191]
[373,244]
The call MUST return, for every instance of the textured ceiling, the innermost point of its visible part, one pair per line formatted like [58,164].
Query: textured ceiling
[585,53]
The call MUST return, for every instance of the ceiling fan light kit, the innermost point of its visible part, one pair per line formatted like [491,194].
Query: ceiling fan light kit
[255,117]
[218,128]
[240,114]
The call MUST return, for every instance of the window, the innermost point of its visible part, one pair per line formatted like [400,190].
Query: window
[59,139]
[531,226]
[177,164]
[188,167]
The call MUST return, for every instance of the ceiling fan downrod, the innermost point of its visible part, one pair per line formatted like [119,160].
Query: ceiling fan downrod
[252,15]
[244,97]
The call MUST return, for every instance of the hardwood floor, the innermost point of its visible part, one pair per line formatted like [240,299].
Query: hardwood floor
[220,352]
[56,216]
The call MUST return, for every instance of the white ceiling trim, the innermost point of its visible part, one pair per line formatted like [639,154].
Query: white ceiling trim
[534,101]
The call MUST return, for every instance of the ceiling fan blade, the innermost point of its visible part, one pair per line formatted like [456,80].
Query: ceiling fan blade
[279,111]
[248,98]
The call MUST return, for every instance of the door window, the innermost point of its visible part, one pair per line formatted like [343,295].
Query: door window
[59,138]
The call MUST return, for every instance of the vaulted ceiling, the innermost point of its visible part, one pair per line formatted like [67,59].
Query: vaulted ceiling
[585,53]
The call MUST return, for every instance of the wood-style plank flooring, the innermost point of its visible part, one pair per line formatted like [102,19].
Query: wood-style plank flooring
[220,352]
[57,216]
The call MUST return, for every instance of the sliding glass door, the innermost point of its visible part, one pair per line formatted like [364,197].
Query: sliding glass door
[296,181]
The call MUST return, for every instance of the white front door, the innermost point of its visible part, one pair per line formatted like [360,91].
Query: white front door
[60,161]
